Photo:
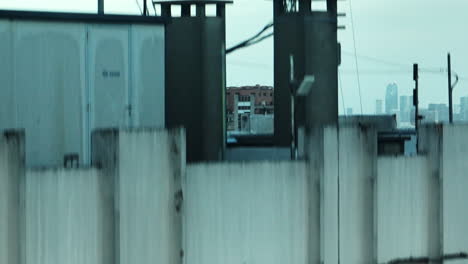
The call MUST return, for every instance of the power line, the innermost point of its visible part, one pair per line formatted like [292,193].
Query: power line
[341,89]
[355,54]
[406,68]
[252,40]
[383,72]
[139,7]
[378,60]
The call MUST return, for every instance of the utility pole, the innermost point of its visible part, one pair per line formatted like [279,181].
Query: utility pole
[450,89]
[416,103]
[292,86]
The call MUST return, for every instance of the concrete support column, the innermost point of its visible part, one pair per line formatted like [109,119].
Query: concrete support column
[323,195]
[100,7]
[252,104]
[201,10]
[220,10]
[357,204]
[311,38]
[11,178]
[252,110]
[185,10]
[165,10]
[453,195]
[305,6]
[431,143]
[332,7]
[197,101]
[236,113]
[146,167]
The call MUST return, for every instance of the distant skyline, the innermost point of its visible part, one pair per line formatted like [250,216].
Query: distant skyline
[390,37]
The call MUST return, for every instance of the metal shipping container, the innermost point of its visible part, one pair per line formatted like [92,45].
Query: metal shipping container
[64,75]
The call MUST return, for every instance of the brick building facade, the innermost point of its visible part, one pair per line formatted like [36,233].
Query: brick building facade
[263,97]
[242,102]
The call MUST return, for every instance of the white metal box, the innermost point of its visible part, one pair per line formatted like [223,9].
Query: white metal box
[62,76]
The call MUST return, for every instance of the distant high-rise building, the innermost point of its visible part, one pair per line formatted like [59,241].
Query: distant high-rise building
[464,108]
[406,102]
[456,108]
[391,98]
[378,107]
[441,111]
[429,116]
[349,111]
[456,113]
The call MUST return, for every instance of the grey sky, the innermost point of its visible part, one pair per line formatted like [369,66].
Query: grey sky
[399,31]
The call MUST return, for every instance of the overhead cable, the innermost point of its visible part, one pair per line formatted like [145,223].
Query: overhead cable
[355,52]
[252,40]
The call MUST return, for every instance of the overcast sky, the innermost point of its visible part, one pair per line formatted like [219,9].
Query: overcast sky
[393,33]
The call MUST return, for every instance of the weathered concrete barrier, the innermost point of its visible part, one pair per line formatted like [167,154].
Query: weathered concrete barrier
[144,168]
[11,175]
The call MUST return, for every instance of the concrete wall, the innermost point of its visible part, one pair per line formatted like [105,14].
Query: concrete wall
[379,122]
[11,173]
[364,210]
[326,145]
[454,171]
[357,166]
[140,205]
[64,218]
[125,210]
[406,215]
[246,213]
[146,168]
[261,124]
[147,185]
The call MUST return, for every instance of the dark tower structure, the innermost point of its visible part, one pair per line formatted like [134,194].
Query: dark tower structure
[310,37]
[195,75]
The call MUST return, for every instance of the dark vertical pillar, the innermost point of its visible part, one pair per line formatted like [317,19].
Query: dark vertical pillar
[416,103]
[278,8]
[332,7]
[201,11]
[236,113]
[100,7]
[220,10]
[185,10]
[165,10]
[311,38]
[305,6]
[288,41]
[449,64]
[321,60]
[195,81]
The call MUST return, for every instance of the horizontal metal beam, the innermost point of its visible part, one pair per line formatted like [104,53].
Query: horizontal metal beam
[80,17]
